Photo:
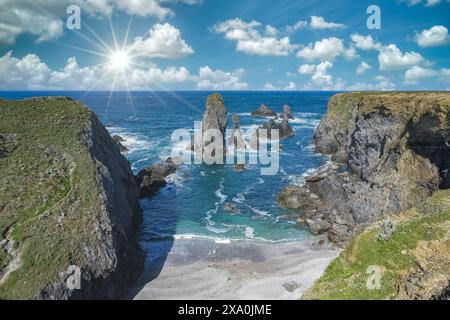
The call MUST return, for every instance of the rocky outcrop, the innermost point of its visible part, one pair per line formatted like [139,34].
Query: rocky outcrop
[214,118]
[287,111]
[118,139]
[264,111]
[70,215]
[389,151]
[117,260]
[284,129]
[150,180]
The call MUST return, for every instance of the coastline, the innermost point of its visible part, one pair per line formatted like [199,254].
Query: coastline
[244,270]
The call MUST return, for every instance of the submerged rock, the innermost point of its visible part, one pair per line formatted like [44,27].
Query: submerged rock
[264,111]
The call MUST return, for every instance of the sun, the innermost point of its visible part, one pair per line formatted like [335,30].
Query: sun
[119,60]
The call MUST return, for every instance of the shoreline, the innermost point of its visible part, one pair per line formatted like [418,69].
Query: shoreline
[196,269]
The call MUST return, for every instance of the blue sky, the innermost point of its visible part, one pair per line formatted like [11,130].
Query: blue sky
[226,45]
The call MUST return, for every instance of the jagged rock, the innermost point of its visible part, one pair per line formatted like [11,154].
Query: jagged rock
[150,180]
[230,207]
[215,117]
[387,229]
[284,129]
[287,111]
[118,139]
[264,111]
[396,153]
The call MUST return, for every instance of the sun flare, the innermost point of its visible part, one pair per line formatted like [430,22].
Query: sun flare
[119,60]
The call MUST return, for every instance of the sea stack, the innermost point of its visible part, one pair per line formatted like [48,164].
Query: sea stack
[215,117]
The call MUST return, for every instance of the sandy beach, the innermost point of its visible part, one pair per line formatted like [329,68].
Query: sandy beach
[203,269]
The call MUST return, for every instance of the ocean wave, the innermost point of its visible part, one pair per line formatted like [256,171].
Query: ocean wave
[259,212]
[249,232]
[133,142]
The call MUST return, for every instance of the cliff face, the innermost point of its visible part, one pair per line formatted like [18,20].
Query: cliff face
[389,152]
[71,205]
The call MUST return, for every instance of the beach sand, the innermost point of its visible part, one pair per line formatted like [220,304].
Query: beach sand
[202,269]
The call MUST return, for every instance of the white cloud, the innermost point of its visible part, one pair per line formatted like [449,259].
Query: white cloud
[324,50]
[391,58]
[416,73]
[209,79]
[26,73]
[307,69]
[291,86]
[365,42]
[249,39]
[270,87]
[163,41]
[297,26]
[318,23]
[45,18]
[435,36]
[363,67]
[315,23]
[31,73]
[428,3]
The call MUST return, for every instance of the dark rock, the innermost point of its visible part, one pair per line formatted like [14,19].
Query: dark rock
[395,150]
[264,111]
[119,140]
[287,112]
[284,129]
[215,117]
[230,207]
[150,180]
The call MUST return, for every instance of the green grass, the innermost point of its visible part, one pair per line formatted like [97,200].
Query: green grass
[346,278]
[48,191]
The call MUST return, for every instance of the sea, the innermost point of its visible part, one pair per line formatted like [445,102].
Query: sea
[192,205]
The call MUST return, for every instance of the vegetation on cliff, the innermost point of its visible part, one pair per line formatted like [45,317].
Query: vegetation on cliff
[393,193]
[57,181]
[414,263]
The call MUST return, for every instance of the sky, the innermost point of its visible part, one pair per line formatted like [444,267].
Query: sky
[224,45]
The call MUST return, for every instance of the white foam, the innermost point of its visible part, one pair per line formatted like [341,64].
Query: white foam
[260,212]
[239,198]
[133,142]
[249,232]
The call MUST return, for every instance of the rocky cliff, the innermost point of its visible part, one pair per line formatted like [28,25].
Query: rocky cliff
[388,153]
[68,205]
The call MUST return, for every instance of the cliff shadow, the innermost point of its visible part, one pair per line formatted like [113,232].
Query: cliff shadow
[156,235]
[430,139]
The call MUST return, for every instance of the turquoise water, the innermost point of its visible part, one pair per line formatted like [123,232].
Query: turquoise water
[192,204]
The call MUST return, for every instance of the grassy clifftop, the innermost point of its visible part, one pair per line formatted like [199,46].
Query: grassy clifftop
[414,263]
[53,202]
[396,146]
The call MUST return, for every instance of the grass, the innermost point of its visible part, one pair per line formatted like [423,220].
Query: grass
[346,277]
[48,191]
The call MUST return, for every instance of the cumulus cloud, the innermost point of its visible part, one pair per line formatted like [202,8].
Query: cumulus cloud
[315,23]
[435,36]
[323,50]
[307,69]
[209,79]
[163,41]
[251,41]
[363,67]
[365,42]
[44,18]
[26,73]
[427,3]
[319,23]
[391,58]
[383,84]
[415,74]
[31,73]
